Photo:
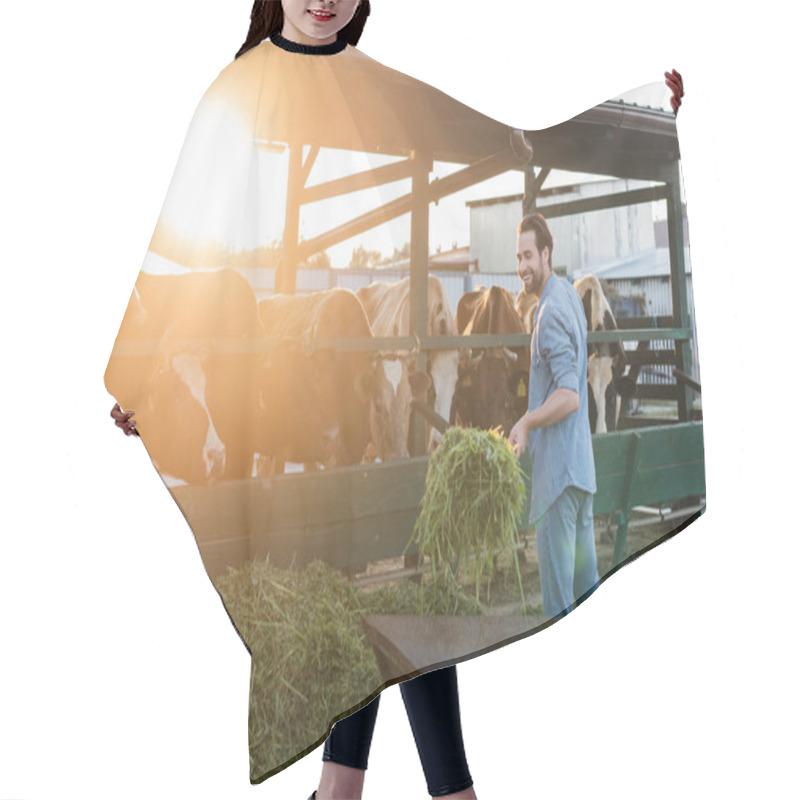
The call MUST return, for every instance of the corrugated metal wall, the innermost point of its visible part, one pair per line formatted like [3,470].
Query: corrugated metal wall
[492,235]
[598,237]
[580,240]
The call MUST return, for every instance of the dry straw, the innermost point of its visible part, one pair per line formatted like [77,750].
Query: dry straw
[474,496]
[311,660]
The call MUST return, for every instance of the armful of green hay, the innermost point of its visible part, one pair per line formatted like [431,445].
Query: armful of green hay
[474,497]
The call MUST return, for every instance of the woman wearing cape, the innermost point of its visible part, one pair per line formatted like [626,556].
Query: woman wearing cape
[233,372]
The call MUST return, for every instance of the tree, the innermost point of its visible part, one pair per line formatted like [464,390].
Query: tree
[320,260]
[399,255]
[364,259]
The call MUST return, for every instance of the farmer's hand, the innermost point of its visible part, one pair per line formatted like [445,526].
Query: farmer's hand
[518,438]
[124,420]
[675,83]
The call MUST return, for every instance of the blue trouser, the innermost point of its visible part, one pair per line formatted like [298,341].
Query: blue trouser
[432,705]
[567,556]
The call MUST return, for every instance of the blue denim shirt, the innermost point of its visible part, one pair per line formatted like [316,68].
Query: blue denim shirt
[562,453]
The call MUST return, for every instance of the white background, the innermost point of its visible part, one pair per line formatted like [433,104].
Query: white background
[120,675]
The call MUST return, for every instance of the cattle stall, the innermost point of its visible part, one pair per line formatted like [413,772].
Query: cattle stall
[322,514]
[614,139]
[371,509]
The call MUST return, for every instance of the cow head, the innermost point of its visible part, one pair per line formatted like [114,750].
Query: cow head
[377,387]
[168,388]
[607,386]
[606,366]
[443,371]
[389,389]
[526,305]
[607,381]
[300,407]
[175,422]
[491,392]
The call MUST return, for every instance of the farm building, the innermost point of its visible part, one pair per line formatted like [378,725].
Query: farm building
[626,247]
[580,241]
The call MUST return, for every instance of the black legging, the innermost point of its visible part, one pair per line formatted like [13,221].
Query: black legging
[432,706]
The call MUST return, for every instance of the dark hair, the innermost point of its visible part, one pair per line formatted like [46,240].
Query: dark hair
[538,224]
[266,19]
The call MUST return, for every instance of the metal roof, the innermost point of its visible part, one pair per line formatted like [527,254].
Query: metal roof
[612,138]
[395,114]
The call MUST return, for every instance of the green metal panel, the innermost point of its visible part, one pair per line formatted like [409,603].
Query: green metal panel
[671,446]
[364,513]
[669,465]
[344,516]
[376,344]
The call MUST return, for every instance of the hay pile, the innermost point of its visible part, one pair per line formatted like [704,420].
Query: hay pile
[474,496]
[310,656]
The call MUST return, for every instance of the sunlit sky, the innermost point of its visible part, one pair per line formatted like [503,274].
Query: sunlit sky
[238,196]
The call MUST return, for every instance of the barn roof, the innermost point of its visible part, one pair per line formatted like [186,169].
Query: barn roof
[613,138]
[394,114]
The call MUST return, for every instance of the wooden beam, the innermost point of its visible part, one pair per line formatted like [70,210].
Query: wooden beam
[364,222]
[477,172]
[638,358]
[437,189]
[360,180]
[647,195]
[645,322]
[682,377]
[533,185]
[308,165]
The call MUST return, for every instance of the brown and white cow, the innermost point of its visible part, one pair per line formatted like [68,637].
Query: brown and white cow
[194,400]
[607,383]
[320,405]
[492,388]
[526,305]
[606,366]
[387,306]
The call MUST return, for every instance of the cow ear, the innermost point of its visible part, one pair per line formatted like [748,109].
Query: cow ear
[420,382]
[587,308]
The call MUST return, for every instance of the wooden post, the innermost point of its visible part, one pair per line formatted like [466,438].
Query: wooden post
[418,288]
[533,185]
[680,301]
[286,273]
[529,198]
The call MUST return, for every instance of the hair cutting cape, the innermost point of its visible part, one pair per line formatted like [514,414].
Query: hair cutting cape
[282,351]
